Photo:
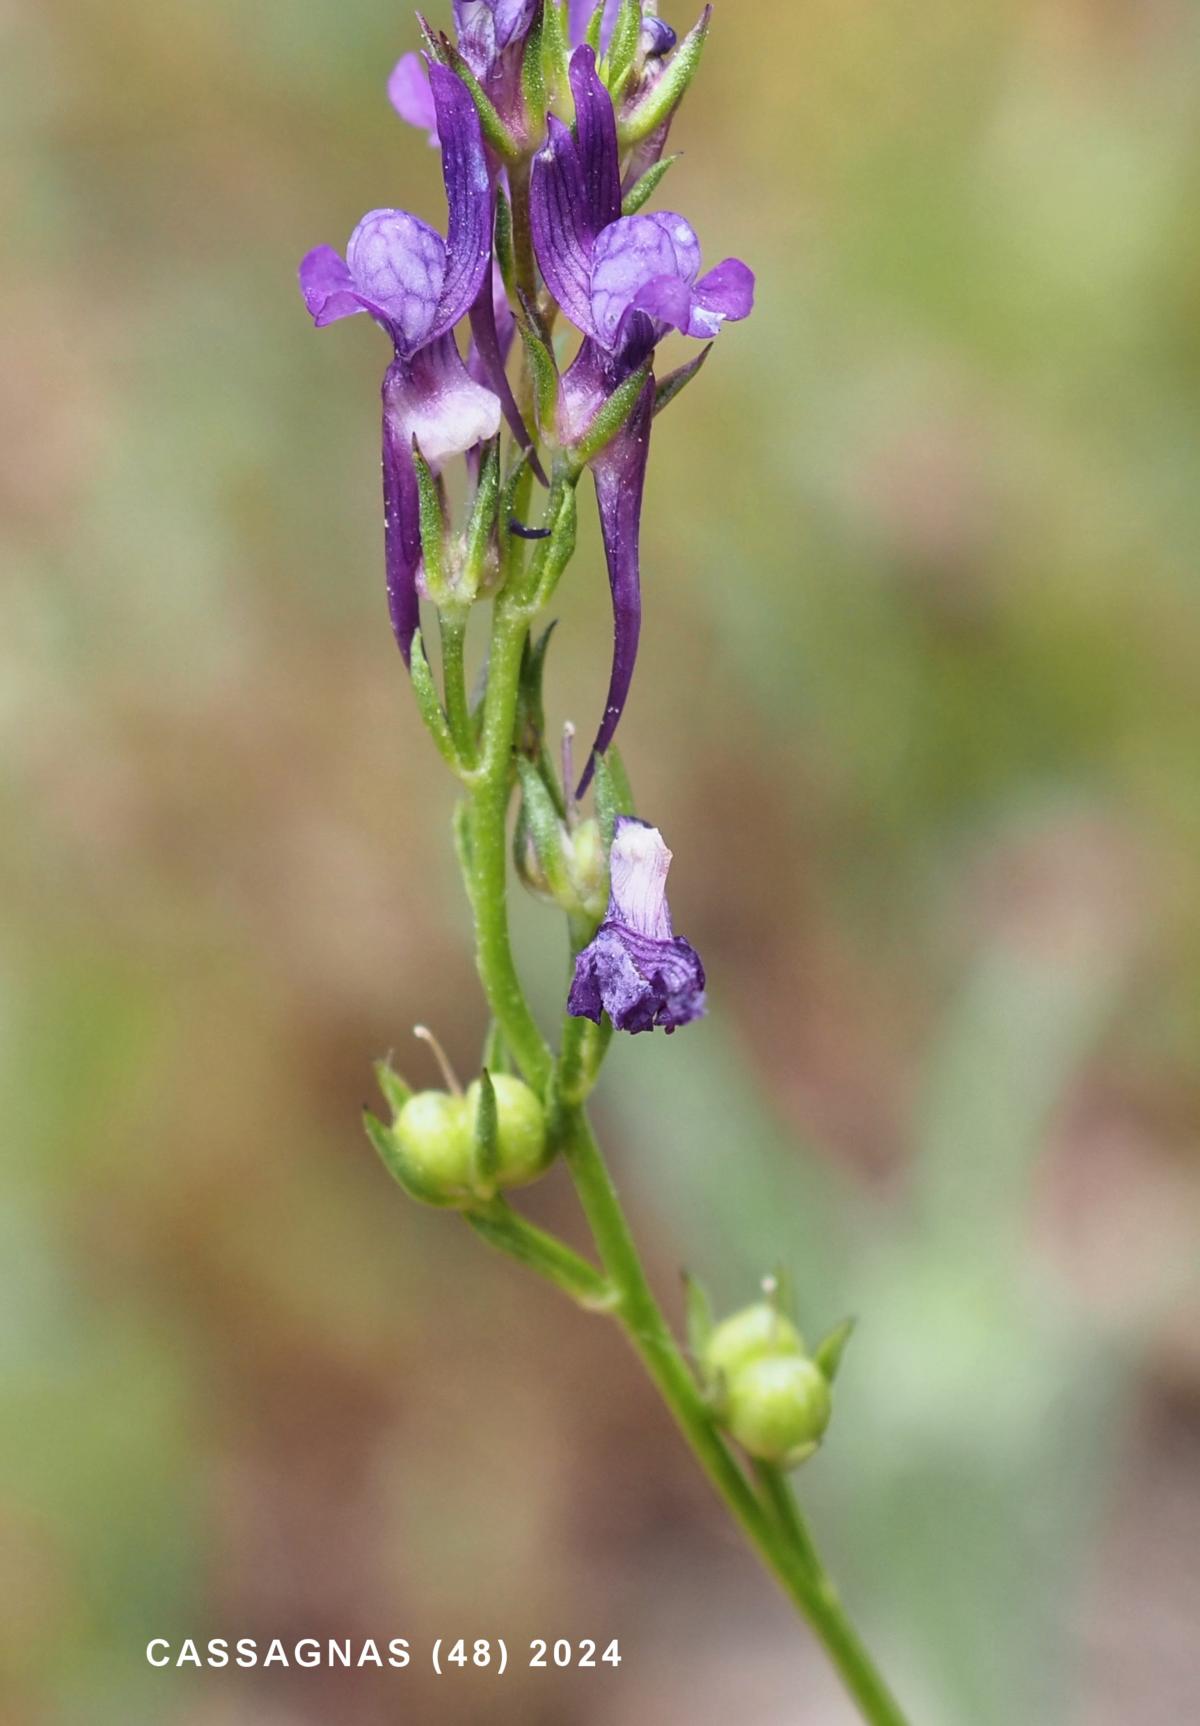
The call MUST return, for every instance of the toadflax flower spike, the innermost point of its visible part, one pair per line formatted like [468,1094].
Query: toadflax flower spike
[636,969]
[417,286]
[623,281]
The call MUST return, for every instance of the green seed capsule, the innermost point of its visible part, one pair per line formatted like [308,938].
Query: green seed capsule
[778,1408]
[749,1335]
[520,1130]
[434,1147]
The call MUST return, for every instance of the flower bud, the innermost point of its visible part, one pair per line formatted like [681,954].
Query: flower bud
[522,1150]
[778,1407]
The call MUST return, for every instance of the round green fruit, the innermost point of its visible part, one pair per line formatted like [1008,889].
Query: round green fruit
[434,1146]
[520,1129]
[749,1335]
[778,1408]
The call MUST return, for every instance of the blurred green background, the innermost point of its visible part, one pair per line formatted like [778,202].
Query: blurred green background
[918,714]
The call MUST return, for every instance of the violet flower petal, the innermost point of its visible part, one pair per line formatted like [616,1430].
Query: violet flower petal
[411,95]
[596,139]
[490,370]
[398,265]
[619,475]
[564,233]
[576,192]
[468,197]
[632,255]
[401,523]
[724,295]
[327,286]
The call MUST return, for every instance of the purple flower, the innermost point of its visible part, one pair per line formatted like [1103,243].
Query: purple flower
[417,286]
[635,969]
[623,281]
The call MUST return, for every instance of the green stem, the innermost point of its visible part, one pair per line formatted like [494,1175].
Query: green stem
[510,1233]
[771,1523]
[524,267]
[489,851]
[779,1495]
[793,1560]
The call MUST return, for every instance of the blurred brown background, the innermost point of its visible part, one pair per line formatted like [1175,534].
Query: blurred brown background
[918,714]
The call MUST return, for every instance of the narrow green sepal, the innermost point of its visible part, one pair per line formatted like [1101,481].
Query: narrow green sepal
[385,1145]
[622,49]
[661,99]
[486,1136]
[612,794]
[481,529]
[676,381]
[699,1314]
[497,1057]
[433,526]
[531,709]
[533,76]
[431,39]
[555,553]
[611,419]
[495,131]
[429,704]
[595,26]
[545,830]
[504,240]
[395,1091]
[555,56]
[641,192]
[829,1351]
[543,367]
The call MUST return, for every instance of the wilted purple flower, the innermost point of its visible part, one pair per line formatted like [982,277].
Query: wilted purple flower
[623,281]
[636,970]
[418,286]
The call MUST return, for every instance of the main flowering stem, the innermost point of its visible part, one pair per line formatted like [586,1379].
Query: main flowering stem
[770,1520]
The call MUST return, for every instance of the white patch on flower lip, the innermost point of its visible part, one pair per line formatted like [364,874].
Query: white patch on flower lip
[455,420]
